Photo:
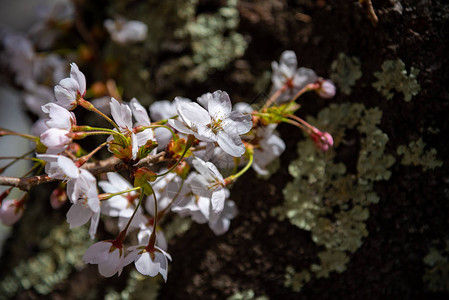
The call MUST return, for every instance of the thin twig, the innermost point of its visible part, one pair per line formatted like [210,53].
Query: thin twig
[112,164]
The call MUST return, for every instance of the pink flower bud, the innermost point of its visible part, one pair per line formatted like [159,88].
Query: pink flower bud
[11,211]
[326,89]
[322,140]
[57,198]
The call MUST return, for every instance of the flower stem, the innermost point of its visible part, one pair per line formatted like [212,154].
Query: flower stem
[83,159]
[275,96]
[297,124]
[307,88]
[121,236]
[89,106]
[172,201]
[152,240]
[108,196]
[232,178]
[15,159]
[162,126]
[188,145]
[26,136]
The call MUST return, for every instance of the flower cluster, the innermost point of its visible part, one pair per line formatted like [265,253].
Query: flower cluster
[173,164]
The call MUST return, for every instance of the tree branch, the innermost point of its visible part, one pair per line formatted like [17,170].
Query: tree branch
[112,164]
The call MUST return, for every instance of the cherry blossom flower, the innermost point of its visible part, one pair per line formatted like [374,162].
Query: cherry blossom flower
[11,211]
[121,205]
[109,255]
[286,72]
[200,208]
[123,31]
[269,147]
[86,204]
[209,183]
[81,190]
[217,124]
[69,90]
[149,260]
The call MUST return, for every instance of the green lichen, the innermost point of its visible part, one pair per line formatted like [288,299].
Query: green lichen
[59,254]
[246,295]
[327,199]
[415,155]
[214,42]
[296,280]
[330,260]
[184,44]
[393,76]
[345,71]
[436,275]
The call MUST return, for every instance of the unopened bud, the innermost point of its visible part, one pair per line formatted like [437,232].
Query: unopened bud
[11,211]
[58,197]
[326,89]
[322,140]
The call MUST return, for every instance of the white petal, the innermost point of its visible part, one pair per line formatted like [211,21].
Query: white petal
[55,138]
[219,105]
[94,225]
[59,116]
[140,113]
[160,257]
[192,113]
[68,167]
[64,97]
[110,266]
[97,252]
[303,77]
[79,77]
[78,214]
[288,58]
[218,200]
[205,134]
[135,146]
[144,136]
[145,265]
[122,115]
[220,227]
[179,126]
[232,145]
[118,182]
[204,205]
[237,123]
[163,109]
[70,85]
